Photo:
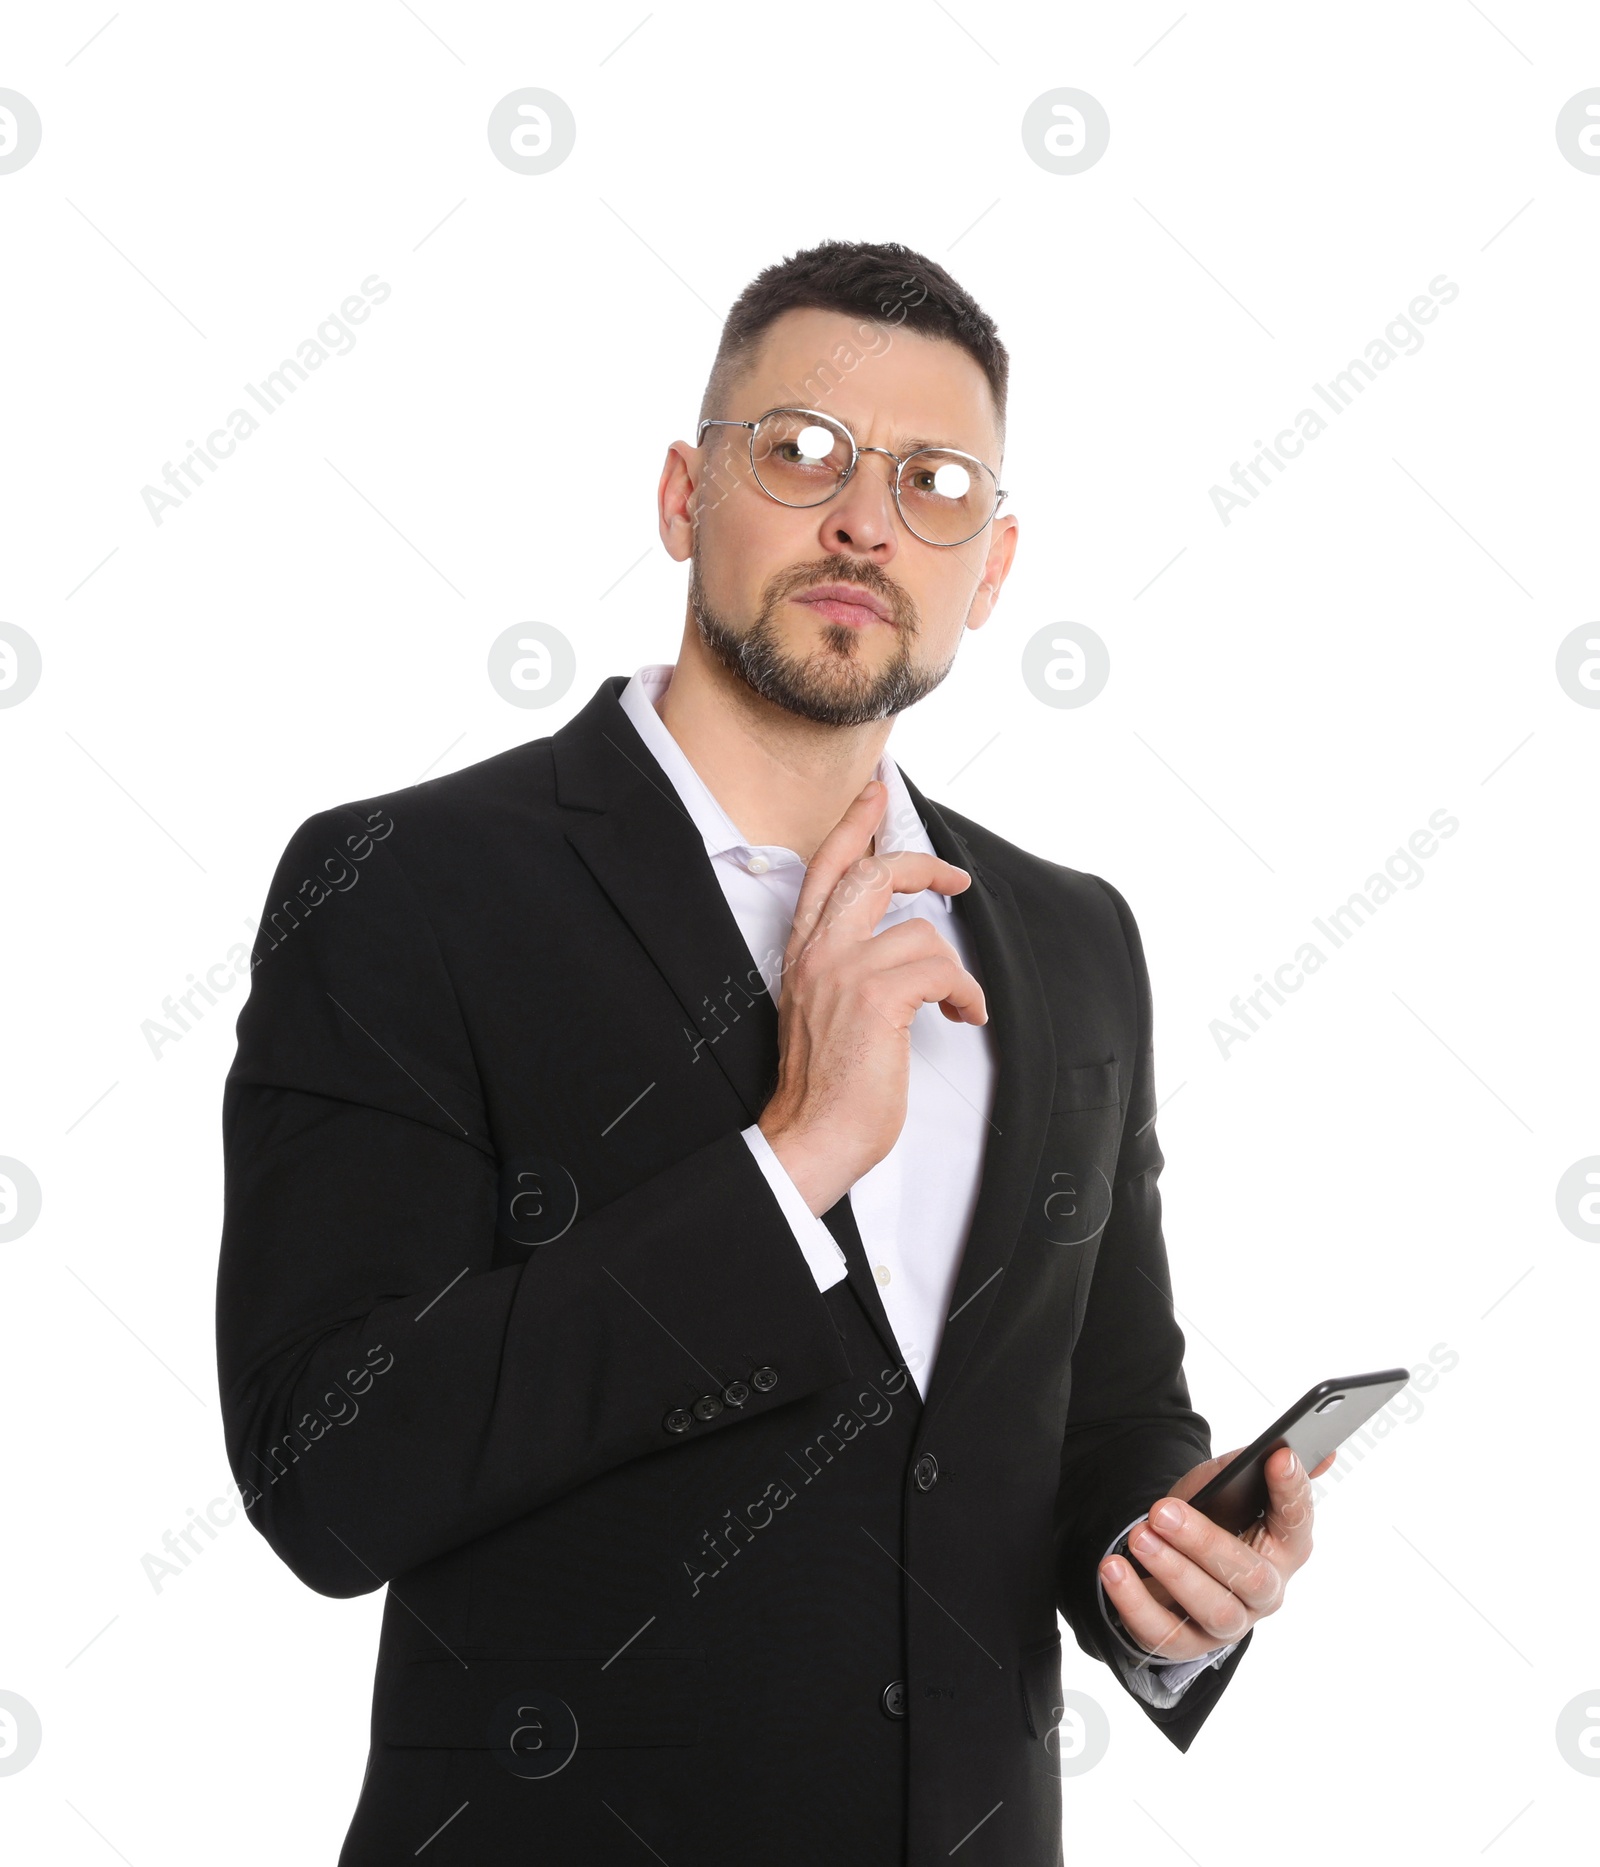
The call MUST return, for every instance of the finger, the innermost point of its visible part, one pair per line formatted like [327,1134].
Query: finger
[1155,1628]
[862,894]
[1220,1611]
[915,938]
[931,982]
[1189,1535]
[950,877]
[1289,1505]
[845,843]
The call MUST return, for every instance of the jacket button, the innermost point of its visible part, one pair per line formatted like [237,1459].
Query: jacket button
[707,1407]
[736,1393]
[926,1472]
[894,1699]
[764,1380]
[677,1421]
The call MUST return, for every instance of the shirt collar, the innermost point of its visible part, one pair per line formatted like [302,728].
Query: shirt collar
[904,828]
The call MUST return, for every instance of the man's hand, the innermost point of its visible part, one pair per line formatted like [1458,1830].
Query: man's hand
[848,998]
[1206,1586]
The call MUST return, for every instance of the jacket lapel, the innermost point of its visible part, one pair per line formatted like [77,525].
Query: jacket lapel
[646,854]
[652,864]
[1025,1075]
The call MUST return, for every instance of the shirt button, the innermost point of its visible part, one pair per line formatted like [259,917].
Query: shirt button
[894,1699]
[707,1407]
[677,1421]
[758,865]
[881,1272]
[736,1393]
[764,1380]
[926,1472]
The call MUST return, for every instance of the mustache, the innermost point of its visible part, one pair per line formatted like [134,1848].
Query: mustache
[835,569]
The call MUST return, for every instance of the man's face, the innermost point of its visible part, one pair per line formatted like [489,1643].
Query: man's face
[837,612]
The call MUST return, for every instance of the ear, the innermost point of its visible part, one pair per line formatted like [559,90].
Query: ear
[676,498]
[996,568]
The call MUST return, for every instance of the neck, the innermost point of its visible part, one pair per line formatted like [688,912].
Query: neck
[782,780]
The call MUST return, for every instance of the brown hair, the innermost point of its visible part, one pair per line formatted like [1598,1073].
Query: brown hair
[885,282]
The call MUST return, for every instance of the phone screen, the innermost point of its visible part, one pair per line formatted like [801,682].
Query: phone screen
[1317,1424]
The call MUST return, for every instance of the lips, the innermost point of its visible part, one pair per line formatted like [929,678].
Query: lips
[847,603]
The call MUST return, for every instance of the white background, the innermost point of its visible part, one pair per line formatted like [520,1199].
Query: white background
[1371,1174]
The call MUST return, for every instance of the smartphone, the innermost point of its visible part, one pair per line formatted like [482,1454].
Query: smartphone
[1317,1424]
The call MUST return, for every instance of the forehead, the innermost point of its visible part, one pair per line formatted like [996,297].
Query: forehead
[887,384]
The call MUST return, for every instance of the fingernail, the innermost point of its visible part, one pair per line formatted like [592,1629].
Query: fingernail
[870,788]
[1293,1466]
[1167,1515]
[1115,1570]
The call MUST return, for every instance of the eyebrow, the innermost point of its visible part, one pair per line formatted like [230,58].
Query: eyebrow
[912,444]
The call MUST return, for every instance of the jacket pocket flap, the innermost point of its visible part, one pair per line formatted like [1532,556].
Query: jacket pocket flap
[561,1700]
[1088,1086]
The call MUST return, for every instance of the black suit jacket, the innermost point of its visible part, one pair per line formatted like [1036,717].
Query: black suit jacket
[509,1319]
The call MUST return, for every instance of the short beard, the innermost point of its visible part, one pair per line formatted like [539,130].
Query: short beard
[827,685]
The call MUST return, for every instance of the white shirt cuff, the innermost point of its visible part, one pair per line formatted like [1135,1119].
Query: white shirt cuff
[816,1242]
[1161,1684]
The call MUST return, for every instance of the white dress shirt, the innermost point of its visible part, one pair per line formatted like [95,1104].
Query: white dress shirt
[914,1209]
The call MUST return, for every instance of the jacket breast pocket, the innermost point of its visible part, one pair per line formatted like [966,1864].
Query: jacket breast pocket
[1078,1160]
[1087,1086]
[1071,1201]
[536,1711]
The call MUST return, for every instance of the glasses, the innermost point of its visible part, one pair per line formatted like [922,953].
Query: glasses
[802,458]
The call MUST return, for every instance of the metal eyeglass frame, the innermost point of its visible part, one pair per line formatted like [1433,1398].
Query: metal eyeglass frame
[832,421]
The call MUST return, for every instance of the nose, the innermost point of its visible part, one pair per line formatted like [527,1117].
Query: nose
[859,521]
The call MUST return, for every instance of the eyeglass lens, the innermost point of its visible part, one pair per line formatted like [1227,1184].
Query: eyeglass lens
[799,460]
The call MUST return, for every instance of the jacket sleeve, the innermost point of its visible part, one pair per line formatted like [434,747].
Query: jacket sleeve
[388,1392]
[1131,1431]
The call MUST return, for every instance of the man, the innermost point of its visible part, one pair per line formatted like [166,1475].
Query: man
[692,1224]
